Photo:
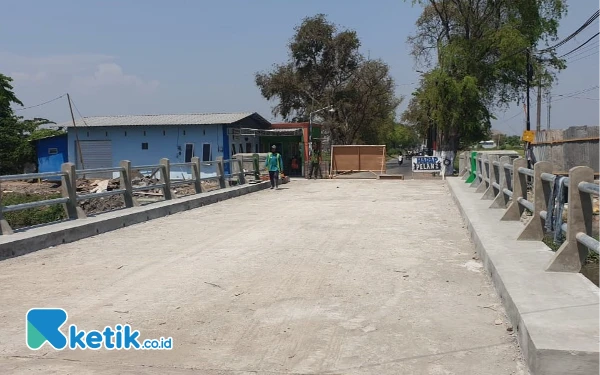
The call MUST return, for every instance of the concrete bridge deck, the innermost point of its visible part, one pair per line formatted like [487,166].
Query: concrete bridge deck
[321,277]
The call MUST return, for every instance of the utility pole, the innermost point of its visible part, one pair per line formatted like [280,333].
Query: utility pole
[549,101]
[528,84]
[76,135]
[538,125]
[528,124]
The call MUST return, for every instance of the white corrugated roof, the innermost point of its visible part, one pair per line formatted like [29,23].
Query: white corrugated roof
[186,119]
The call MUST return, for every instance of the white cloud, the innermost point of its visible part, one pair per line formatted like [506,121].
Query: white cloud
[111,74]
[29,77]
[72,72]
[99,85]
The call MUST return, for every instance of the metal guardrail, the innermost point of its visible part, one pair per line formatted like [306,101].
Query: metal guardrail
[497,180]
[70,199]
[30,176]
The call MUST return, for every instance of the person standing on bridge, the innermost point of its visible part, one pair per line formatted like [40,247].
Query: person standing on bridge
[315,163]
[274,166]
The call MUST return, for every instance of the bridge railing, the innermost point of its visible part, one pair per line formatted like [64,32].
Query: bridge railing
[507,183]
[69,176]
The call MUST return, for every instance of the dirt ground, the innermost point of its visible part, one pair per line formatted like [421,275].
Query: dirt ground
[104,204]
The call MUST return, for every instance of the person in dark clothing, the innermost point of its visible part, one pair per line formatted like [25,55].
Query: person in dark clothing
[315,163]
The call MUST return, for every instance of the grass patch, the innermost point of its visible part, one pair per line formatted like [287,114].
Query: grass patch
[31,216]
[592,256]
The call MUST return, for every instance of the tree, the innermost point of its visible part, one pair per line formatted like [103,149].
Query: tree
[480,50]
[16,133]
[403,137]
[513,141]
[326,68]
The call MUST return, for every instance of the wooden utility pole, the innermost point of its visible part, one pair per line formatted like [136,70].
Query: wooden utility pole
[549,100]
[538,126]
[76,135]
[528,85]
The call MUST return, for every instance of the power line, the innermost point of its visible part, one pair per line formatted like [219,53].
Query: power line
[574,94]
[507,123]
[583,51]
[581,45]
[583,97]
[80,115]
[41,104]
[584,57]
[585,25]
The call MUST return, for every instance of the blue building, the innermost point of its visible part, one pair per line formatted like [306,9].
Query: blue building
[51,153]
[99,142]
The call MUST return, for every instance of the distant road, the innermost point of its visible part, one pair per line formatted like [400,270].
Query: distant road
[404,169]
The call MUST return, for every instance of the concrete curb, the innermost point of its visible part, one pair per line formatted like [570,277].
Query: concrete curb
[554,314]
[34,239]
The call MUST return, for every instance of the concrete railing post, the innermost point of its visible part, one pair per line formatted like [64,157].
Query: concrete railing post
[196,175]
[519,186]
[466,166]
[534,230]
[482,187]
[241,176]
[501,199]
[4,227]
[572,255]
[256,166]
[125,183]
[461,164]
[165,178]
[491,191]
[221,172]
[68,188]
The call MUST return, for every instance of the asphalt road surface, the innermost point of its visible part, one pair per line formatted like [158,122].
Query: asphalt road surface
[405,169]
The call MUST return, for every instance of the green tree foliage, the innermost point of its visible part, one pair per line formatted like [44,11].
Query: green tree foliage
[16,133]
[403,137]
[326,68]
[513,141]
[477,51]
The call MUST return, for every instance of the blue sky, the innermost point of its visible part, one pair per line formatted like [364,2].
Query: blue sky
[139,57]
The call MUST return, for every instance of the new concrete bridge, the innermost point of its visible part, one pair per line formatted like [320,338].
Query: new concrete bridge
[321,277]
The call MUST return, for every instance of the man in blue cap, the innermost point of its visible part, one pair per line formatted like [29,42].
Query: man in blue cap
[274,166]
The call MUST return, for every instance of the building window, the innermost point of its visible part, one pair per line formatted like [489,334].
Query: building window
[203,131]
[206,152]
[144,145]
[189,152]
[107,134]
[88,134]
[184,132]
[164,132]
[126,134]
[144,133]
[52,151]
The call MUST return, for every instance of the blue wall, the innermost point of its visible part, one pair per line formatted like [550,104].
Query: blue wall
[51,162]
[126,143]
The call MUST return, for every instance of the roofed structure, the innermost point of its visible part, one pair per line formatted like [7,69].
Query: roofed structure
[172,120]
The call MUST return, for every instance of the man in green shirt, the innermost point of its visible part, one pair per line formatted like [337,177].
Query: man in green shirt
[315,163]
[274,166]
